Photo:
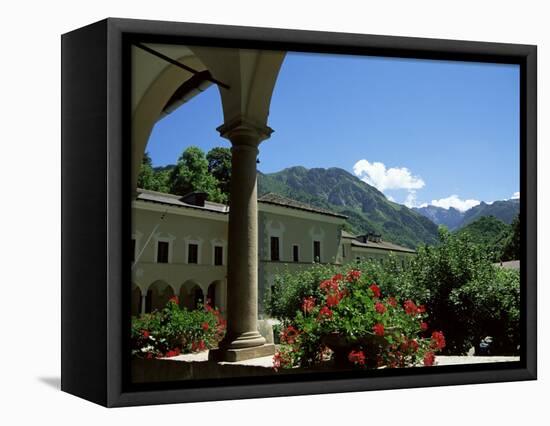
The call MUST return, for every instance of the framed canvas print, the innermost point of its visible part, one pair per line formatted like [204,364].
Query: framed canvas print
[253,212]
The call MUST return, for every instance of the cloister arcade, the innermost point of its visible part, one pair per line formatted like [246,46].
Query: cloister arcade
[191,294]
[245,79]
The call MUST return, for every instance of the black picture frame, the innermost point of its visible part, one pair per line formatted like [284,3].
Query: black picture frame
[96,203]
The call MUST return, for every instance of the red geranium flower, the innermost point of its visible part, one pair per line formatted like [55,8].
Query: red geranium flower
[378,329]
[375,290]
[421,309]
[145,334]
[205,326]
[423,326]
[413,344]
[353,275]
[175,299]
[149,355]
[380,308]
[198,346]
[410,307]
[392,301]
[356,357]
[289,335]
[329,286]
[325,312]
[280,360]
[308,304]
[338,277]
[429,359]
[334,298]
[438,340]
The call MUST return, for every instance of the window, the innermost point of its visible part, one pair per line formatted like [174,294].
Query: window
[192,253]
[162,251]
[317,251]
[218,255]
[133,248]
[295,253]
[275,248]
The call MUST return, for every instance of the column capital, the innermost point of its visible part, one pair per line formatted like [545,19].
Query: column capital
[243,130]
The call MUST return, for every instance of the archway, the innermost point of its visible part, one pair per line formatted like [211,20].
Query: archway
[158,295]
[214,294]
[248,77]
[193,295]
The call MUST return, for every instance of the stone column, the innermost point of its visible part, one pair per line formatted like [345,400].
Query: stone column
[243,341]
[143,303]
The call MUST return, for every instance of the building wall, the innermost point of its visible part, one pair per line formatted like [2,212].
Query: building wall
[179,229]
[181,226]
[293,227]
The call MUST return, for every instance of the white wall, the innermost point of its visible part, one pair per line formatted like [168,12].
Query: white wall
[30,102]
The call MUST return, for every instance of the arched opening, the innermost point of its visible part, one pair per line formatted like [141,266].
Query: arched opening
[213,295]
[183,297]
[197,297]
[191,295]
[158,295]
[135,308]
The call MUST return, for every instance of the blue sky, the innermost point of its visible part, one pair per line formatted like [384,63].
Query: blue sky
[436,132]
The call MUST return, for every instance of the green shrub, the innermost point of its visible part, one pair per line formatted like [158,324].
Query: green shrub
[174,330]
[464,293]
[349,322]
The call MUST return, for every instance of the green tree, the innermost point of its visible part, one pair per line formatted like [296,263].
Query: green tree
[219,165]
[191,174]
[150,179]
[511,249]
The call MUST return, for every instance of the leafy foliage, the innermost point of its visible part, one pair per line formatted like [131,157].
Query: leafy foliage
[191,174]
[174,330]
[149,178]
[489,233]
[346,320]
[511,245]
[464,293]
[219,165]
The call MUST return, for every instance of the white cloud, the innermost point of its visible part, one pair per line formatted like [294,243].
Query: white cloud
[515,196]
[389,197]
[410,201]
[382,178]
[456,202]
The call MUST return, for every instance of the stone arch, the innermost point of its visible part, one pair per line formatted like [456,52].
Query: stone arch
[158,295]
[214,293]
[193,294]
[148,109]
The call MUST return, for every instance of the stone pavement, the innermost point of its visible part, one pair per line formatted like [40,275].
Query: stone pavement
[267,361]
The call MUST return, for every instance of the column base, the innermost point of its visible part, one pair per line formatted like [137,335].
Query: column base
[241,354]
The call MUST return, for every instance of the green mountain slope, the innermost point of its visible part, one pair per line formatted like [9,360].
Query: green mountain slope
[367,208]
[486,230]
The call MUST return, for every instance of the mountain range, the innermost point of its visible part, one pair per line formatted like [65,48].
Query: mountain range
[368,210]
[454,219]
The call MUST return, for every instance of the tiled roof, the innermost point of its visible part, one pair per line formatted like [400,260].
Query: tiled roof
[382,245]
[175,200]
[279,200]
